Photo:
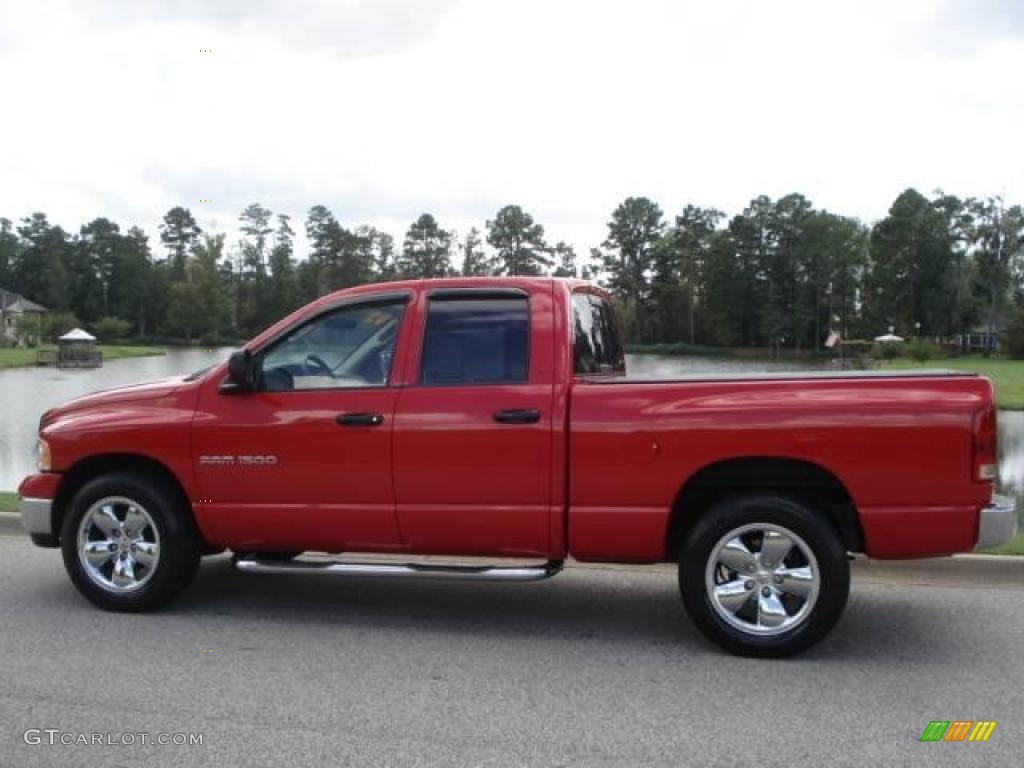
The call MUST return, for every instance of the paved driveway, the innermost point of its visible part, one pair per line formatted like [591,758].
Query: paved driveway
[597,667]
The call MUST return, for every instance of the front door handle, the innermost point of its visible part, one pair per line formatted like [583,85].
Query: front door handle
[517,416]
[360,419]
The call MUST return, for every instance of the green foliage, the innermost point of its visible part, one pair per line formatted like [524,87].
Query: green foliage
[910,261]
[180,234]
[565,258]
[681,264]
[209,292]
[284,282]
[922,351]
[339,258]
[628,257]
[254,224]
[779,276]
[476,263]
[28,327]
[519,242]
[56,324]
[890,351]
[426,252]
[182,315]
[112,329]
[1013,339]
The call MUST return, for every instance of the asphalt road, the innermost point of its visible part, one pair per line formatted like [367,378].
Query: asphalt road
[597,667]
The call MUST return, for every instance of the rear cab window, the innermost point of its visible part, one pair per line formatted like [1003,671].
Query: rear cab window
[475,338]
[597,346]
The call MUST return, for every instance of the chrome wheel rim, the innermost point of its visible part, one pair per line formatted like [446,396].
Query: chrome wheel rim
[762,579]
[118,544]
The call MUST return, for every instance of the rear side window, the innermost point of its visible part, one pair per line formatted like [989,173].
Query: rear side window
[596,345]
[476,341]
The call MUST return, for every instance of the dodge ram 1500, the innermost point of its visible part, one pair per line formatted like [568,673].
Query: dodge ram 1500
[492,417]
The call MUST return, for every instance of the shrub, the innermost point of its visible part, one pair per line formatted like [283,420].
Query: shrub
[112,329]
[56,324]
[891,350]
[923,351]
[26,329]
[1013,339]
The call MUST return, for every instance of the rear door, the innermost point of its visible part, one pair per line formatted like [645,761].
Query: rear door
[472,434]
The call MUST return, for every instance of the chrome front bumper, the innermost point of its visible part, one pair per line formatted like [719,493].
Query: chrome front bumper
[35,515]
[997,523]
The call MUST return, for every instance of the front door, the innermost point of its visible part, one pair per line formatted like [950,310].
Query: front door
[472,445]
[304,462]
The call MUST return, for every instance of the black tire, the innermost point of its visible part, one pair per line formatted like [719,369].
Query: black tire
[777,511]
[180,546]
[275,556]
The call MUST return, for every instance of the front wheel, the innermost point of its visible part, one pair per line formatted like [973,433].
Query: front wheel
[129,543]
[764,575]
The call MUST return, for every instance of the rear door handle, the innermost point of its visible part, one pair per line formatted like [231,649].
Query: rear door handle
[517,416]
[360,419]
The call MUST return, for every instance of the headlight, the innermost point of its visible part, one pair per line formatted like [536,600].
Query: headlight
[43,455]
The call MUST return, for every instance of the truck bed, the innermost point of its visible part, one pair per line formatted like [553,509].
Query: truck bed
[897,442]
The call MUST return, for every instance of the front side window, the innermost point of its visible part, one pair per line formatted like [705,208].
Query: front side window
[476,341]
[350,347]
[596,344]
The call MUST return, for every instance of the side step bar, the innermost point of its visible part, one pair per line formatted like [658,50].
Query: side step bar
[406,570]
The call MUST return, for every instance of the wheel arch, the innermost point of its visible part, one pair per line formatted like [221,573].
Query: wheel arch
[91,467]
[808,480]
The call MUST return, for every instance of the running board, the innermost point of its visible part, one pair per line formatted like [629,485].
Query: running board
[406,570]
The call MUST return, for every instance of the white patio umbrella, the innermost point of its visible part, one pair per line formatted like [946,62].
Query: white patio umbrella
[77,335]
[888,338]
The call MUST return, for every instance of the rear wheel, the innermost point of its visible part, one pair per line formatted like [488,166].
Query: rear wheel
[764,575]
[129,543]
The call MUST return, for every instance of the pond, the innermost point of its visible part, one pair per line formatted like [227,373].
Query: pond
[26,392]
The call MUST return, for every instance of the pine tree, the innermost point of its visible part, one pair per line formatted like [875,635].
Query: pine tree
[519,242]
[426,251]
[180,234]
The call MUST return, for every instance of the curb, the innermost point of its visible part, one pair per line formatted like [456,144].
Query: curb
[10,525]
[967,570]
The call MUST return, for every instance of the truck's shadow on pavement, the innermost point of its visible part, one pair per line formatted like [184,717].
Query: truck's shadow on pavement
[611,607]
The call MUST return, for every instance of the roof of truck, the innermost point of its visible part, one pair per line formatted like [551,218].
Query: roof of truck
[522,281]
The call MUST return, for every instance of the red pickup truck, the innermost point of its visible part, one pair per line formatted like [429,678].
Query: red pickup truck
[492,418]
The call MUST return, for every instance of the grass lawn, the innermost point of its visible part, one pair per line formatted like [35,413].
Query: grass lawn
[1014,546]
[1007,375]
[8,502]
[20,358]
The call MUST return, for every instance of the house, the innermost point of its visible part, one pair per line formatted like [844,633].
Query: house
[12,308]
[978,338]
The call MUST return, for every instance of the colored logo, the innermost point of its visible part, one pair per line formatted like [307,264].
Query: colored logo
[958,730]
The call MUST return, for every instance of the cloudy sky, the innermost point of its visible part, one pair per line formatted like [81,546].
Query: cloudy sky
[383,109]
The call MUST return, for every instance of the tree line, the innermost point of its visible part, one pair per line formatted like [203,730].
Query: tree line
[779,274]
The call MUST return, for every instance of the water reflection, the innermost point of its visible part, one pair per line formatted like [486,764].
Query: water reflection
[1011,455]
[26,392]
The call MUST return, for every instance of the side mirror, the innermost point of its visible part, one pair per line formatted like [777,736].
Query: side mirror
[241,373]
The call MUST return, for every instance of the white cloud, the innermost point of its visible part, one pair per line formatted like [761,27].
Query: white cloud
[382,110]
